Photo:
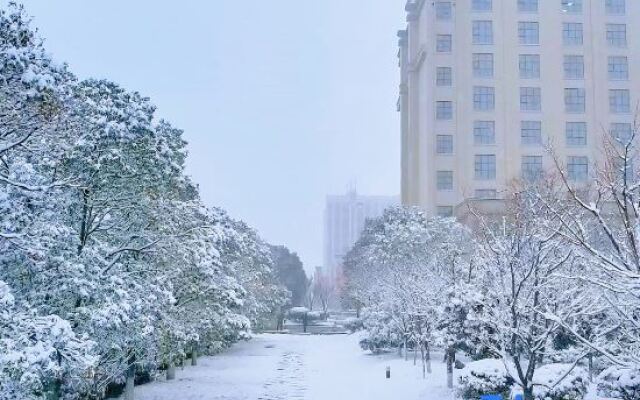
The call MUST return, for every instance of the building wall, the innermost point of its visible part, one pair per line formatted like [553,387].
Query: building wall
[419,93]
[345,218]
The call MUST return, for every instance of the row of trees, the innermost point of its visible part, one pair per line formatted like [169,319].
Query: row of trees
[556,279]
[110,265]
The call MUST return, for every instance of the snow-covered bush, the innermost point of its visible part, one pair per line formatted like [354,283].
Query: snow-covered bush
[560,382]
[353,324]
[298,313]
[38,354]
[379,333]
[483,377]
[620,383]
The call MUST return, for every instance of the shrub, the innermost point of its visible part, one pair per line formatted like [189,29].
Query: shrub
[482,377]
[621,383]
[353,324]
[573,387]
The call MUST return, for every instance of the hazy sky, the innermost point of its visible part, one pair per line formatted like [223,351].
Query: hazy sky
[282,101]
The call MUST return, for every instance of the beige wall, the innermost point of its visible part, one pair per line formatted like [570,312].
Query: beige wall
[419,92]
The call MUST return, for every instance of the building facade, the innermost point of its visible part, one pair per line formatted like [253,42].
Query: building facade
[488,86]
[344,221]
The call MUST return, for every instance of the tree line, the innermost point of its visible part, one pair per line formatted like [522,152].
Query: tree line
[550,287]
[111,266]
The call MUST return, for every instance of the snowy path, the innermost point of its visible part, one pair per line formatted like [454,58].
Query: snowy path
[287,367]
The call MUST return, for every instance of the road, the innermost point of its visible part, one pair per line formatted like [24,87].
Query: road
[291,367]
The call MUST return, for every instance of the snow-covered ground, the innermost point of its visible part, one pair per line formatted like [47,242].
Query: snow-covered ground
[290,367]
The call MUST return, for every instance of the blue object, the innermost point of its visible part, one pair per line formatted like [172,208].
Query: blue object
[491,397]
[519,397]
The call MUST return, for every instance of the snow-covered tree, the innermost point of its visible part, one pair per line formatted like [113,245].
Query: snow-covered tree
[600,218]
[115,265]
[522,270]
[399,270]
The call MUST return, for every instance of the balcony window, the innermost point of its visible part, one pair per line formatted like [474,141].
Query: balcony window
[485,166]
[529,33]
[484,132]
[576,133]
[529,66]
[531,133]
[578,168]
[575,100]
[530,99]
[483,65]
[573,67]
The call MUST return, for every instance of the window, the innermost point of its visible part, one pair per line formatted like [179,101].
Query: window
[486,194]
[481,5]
[578,168]
[573,67]
[485,166]
[572,6]
[529,66]
[531,132]
[619,101]
[482,32]
[445,211]
[617,35]
[576,133]
[616,7]
[483,65]
[618,68]
[484,98]
[444,144]
[445,180]
[572,33]
[484,132]
[574,100]
[444,10]
[444,110]
[443,43]
[622,132]
[530,99]
[444,76]
[528,5]
[531,168]
[529,32]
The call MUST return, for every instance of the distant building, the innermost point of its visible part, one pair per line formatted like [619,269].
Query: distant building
[344,220]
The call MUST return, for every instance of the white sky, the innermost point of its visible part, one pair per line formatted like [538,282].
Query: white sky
[282,101]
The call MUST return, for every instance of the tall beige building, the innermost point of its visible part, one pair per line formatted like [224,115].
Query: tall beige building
[487,83]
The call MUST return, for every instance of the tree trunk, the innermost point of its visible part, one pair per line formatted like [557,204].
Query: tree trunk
[131,375]
[405,349]
[424,364]
[451,357]
[415,353]
[171,371]
[428,357]
[528,393]
[590,367]
[305,322]
[194,356]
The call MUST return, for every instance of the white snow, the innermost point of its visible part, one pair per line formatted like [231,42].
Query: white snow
[289,367]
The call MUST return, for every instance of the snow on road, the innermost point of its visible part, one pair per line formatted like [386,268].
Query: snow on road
[289,367]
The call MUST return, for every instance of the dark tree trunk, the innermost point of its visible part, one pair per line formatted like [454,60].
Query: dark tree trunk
[194,355]
[528,393]
[427,356]
[451,359]
[131,375]
[305,322]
